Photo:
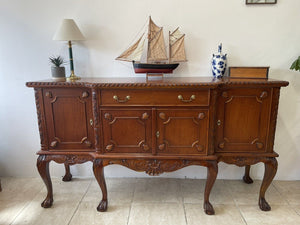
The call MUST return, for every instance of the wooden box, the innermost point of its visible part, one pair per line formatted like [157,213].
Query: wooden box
[249,72]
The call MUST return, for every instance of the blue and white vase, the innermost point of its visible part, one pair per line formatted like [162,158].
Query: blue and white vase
[219,63]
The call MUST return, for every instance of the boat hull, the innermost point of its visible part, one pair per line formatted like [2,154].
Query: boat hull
[154,68]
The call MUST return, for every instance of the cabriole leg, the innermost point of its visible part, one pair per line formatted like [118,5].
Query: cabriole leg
[99,175]
[43,168]
[68,175]
[270,171]
[247,179]
[212,171]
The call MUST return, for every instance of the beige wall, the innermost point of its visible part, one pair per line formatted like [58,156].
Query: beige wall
[266,35]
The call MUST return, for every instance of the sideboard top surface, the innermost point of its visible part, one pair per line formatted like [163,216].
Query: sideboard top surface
[165,82]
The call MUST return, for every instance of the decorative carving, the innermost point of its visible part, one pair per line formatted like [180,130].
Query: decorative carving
[145,116]
[200,148]
[85,94]
[241,160]
[88,143]
[109,147]
[161,147]
[154,166]
[259,145]
[54,144]
[108,116]
[96,119]
[225,94]
[145,147]
[263,95]
[41,118]
[225,81]
[221,145]
[274,111]
[201,116]
[49,94]
[162,116]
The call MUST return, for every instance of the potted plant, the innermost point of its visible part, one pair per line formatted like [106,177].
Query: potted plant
[57,70]
[296,65]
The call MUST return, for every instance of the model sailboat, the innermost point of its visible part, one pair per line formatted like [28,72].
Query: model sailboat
[148,54]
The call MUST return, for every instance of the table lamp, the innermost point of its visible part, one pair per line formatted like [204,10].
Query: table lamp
[69,31]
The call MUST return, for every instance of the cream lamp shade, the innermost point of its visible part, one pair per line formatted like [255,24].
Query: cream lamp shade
[68,31]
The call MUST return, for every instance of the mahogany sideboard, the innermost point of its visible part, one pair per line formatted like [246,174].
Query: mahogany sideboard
[158,126]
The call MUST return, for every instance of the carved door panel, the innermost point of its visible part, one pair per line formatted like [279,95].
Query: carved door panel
[243,120]
[127,131]
[182,131]
[69,118]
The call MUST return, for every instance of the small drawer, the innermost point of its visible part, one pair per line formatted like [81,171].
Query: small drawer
[155,97]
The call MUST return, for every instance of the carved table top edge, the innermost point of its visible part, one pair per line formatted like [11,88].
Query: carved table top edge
[170,82]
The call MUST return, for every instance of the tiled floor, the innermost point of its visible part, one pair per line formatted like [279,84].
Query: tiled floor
[152,201]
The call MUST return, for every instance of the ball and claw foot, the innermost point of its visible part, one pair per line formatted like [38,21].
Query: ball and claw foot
[208,208]
[263,205]
[47,203]
[67,177]
[247,180]
[102,207]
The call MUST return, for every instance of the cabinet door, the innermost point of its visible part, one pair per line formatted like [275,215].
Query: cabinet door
[243,119]
[126,131]
[182,131]
[68,115]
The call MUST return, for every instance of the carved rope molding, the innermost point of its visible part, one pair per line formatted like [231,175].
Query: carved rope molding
[274,111]
[96,123]
[41,119]
[269,83]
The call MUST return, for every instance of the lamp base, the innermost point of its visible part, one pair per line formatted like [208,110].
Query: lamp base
[73,77]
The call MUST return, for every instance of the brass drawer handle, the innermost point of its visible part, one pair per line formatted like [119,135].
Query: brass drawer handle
[121,100]
[193,97]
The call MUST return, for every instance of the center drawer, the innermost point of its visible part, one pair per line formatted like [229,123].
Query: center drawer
[154,97]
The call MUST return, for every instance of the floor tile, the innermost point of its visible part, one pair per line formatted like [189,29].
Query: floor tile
[20,189]
[218,195]
[289,190]
[59,214]
[9,210]
[66,191]
[287,186]
[225,214]
[296,208]
[142,197]
[279,214]
[157,214]
[88,215]
[248,194]
[157,185]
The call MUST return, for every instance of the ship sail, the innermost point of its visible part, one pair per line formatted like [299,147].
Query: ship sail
[156,43]
[155,49]
[134,52]
[176,48]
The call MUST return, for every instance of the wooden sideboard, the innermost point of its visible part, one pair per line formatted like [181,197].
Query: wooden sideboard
[158,126]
